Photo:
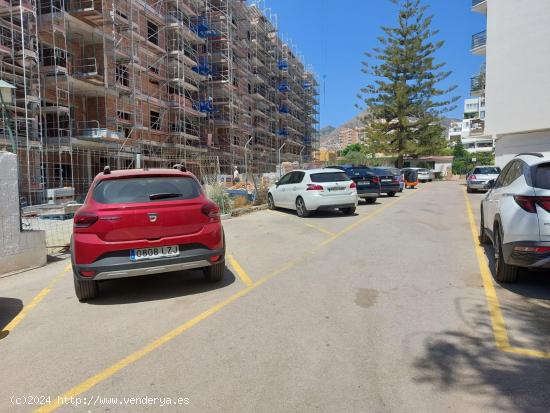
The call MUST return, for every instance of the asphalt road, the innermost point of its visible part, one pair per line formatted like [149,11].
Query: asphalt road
[384,311]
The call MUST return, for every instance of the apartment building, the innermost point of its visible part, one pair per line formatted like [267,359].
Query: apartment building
[471,130]
[515,84]
[350,136]
[149,83]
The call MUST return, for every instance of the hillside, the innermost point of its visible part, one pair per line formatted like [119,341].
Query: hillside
[329,134]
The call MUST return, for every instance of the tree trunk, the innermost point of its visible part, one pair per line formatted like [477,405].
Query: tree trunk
[400,160]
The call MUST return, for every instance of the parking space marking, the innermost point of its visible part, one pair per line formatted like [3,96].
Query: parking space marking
[34,302]
[139,354]
[320,229]
[497,318]
[239,270]
[307,224]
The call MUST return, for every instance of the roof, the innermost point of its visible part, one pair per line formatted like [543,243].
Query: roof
[533,158]
[131,173]
[3,83]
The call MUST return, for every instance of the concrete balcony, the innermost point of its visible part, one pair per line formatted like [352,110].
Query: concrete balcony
[479,43]
[479,6]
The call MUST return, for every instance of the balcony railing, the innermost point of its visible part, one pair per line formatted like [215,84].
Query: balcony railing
[479,40]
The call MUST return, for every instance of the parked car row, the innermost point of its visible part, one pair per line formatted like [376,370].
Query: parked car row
[335,187]
[515,213]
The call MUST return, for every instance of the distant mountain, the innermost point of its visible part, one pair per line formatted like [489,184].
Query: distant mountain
[329,134]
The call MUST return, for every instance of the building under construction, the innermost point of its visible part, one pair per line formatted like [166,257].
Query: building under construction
[145,83]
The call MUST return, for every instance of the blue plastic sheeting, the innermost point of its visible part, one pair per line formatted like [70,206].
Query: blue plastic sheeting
[283,87]
[306,85]
[283,133]
[283,109]
[203,29]
[283,64]
[207,106]
[233,193]
[203,69]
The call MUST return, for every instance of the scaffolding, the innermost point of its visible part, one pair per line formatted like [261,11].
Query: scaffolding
[150,83]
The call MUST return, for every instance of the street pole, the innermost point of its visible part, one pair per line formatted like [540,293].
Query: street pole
[246,158]
[279,158]
[301,159]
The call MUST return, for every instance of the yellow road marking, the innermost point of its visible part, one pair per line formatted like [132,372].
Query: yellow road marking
[239,270]
[307,224]
[320,229]
[34,302]
[139,354]
[497,319]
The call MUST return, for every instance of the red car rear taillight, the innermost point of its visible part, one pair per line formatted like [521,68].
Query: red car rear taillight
[353,185]
[84,219]
[375,180]
[212,211]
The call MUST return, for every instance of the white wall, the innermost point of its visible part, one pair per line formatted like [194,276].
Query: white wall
[518,66]
[18,250]
[507,147]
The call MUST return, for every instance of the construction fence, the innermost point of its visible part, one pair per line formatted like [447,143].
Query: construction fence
[56,216]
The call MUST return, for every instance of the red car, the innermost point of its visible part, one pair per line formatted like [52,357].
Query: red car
[138,222]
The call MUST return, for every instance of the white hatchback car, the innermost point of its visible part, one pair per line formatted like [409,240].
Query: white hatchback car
[515,216]
[312,190]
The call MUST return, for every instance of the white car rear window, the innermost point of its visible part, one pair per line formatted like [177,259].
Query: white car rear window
[329,177]
[542,177]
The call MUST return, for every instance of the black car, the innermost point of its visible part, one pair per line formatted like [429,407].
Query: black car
[368,183]
[389,180]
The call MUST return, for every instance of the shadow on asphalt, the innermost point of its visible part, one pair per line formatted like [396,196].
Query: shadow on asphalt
[157,287]
[470,363]
[319,214]
[9,308]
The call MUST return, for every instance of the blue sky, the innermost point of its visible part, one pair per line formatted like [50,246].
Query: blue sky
[333,35]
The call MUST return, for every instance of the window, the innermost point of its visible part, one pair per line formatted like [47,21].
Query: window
[297,177]
[153,33]
[501,178]
[515,170]
[134,190]
[123,115]
[494,170]
[329,177]
[542,176]
[54,57]
[155,120]
[285,179]
[121,75]
[154,70]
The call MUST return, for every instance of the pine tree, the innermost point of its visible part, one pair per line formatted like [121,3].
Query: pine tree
[405,103]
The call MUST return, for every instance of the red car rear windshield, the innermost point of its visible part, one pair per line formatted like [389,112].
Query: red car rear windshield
[146,189]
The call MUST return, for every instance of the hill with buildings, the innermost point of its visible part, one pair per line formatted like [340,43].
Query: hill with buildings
[329,134]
